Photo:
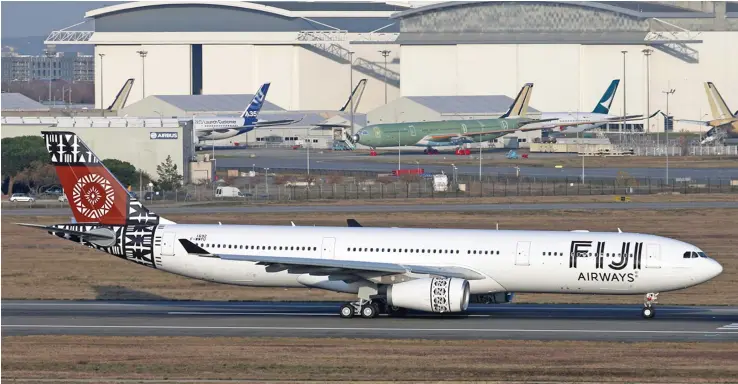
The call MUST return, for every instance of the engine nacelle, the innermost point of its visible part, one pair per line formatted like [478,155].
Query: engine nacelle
[436,294]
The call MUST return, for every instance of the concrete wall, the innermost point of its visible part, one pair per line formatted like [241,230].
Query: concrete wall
[166,67]
[131,144]
[571,77]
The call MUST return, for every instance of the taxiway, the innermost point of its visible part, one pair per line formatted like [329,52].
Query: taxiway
[320,319]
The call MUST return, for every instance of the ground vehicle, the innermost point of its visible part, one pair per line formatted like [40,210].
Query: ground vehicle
[22,197]
[228,192]
[62,199]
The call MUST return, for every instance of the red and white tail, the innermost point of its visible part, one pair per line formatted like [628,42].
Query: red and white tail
[94,193]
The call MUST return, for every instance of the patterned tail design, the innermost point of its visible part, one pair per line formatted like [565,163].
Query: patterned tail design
[98,200]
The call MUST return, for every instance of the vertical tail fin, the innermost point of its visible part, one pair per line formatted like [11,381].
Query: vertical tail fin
[122,96]
[519,107]
[251,113]
[355,96]
[718,107]
[603,106]
[94,193]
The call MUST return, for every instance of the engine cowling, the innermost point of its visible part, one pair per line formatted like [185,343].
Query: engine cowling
[435,294]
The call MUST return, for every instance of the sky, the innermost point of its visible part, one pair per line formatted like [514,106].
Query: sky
[38,18]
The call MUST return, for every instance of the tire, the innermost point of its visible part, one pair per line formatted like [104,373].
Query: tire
[347,311]
[369,311]
[648,312]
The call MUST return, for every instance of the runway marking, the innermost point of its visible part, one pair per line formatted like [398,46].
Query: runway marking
[733,326]
[357,329]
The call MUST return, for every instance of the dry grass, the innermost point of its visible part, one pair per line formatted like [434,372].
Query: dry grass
[172,358]
[549,161]
[38,266]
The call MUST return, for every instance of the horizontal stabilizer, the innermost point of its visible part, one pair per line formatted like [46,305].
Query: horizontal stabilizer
[340,266]
[86,235]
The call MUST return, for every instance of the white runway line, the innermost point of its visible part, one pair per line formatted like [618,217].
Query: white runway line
[359,329]
[733,326]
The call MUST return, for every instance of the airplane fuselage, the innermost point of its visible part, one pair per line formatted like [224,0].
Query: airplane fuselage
[510,261]
[421,133]
[569,117]
[218,128]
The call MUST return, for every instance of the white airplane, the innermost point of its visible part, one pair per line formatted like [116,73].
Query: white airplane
[572,122]
[224,127]
[390,270]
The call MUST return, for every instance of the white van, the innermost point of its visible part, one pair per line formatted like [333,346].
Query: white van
[228,192]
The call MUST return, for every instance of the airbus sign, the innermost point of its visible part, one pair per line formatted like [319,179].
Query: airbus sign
[164,135]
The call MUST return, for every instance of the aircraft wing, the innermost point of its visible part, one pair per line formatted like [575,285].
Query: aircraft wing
[333,266]
[268,123]
[699,122]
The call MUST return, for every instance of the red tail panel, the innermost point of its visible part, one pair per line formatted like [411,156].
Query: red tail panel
[93,194]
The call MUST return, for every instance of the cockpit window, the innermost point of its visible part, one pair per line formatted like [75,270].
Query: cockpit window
[687,255]
[702,254]
[693,255]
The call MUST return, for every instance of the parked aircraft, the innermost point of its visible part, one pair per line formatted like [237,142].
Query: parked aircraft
[389,269]
[217,128]
[571,122]
[724,123]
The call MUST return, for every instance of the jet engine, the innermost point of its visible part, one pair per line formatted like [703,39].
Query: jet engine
[436,294]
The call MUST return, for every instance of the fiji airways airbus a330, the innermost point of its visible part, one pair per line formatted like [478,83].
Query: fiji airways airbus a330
[389,269]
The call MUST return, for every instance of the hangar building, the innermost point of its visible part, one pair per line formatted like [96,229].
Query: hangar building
[137,141]
[572,50]
[306,49]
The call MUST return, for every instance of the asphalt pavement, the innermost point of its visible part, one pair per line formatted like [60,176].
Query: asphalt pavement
[349,161]
[320,319]
[306,207]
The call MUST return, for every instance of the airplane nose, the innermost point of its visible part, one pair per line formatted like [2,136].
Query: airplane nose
[716,269]
[356,138]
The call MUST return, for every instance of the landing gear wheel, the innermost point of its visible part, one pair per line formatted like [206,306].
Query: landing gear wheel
[648,312]
[369,311]
[347,311]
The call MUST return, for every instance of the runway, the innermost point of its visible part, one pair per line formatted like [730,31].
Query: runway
[307,207]
[320,319]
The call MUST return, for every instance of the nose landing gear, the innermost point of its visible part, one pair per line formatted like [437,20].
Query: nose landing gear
[648,310]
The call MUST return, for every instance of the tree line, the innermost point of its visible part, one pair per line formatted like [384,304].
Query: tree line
[26,168]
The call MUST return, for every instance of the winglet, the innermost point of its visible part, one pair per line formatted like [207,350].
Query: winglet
[353,223]
[619,231]
[193,248]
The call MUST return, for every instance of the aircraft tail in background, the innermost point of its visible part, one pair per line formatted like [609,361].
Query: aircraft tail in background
[121,97]
[251,113]
[718,107]
[519,107]
[603,106]
[355,96]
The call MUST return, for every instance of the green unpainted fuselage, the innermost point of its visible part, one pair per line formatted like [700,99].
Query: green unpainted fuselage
[437,133]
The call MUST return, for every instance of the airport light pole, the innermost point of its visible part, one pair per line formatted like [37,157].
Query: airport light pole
[480,160]
[666,128]
[307,144]
[624,104]
[266,181]
[647,52]
[143,72]
[351,86]
[102,94]
[385,53]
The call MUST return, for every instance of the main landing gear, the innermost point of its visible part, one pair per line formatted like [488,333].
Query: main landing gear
[648,310]
[369,309]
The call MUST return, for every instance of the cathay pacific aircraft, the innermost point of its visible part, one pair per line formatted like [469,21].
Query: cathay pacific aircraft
[390,270]
[570,122]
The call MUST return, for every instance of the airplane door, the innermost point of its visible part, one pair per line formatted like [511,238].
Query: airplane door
[329,248]
[522,256]
[653,256]
[412,130]
[167,244]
